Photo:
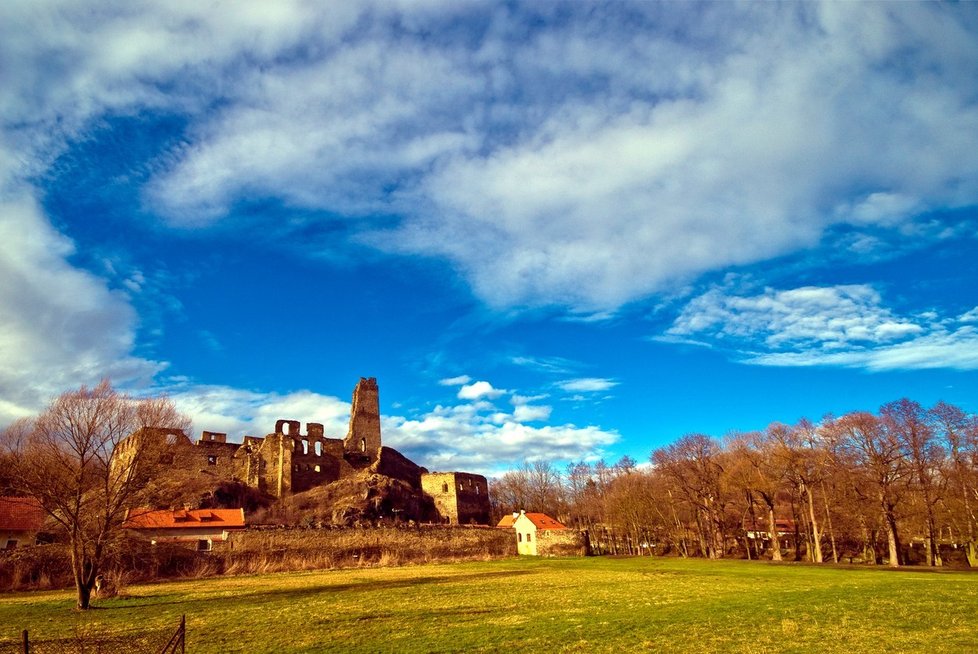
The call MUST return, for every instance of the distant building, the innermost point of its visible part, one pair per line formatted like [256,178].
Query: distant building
[21,519]
[289,461]
[531,529]
[200,527]
[461,498]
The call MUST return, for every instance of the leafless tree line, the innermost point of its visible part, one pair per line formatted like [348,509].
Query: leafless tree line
[899,485]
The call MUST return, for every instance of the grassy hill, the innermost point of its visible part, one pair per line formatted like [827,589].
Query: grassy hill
[540,605]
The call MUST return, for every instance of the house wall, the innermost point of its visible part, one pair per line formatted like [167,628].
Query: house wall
[526,536]
[22,537]
[548,542]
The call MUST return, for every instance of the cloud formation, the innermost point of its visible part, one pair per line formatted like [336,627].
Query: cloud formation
[846,326]
[587,385]
[60,327]
[606,154]
[478,390]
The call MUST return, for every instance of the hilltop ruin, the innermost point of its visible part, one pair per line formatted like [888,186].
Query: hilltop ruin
[288,461]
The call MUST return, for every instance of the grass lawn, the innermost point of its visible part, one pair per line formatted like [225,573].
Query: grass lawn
[540,605]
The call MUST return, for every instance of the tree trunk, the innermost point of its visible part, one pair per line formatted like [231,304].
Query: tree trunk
[933,545]
[892,537]
[772,530]
[816,536]
[828,524]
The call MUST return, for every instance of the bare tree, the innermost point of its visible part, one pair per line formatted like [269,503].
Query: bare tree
[959,432]
[909,423]
[694,464]
[64,456]
[876,454]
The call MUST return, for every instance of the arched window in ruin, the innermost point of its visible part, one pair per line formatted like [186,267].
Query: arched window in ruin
[318,447]
[363,444]
[305,446]
[444,488]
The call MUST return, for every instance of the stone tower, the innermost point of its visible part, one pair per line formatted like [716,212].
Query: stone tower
[363,437]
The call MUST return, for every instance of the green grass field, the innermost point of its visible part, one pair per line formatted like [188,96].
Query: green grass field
[540,605]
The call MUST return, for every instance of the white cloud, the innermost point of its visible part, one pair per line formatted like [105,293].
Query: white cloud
[456,438]
[455,381]
[587,385]
[831,326]
[60,327]
[587,163]
[531,413]
[477,390]
[239,412]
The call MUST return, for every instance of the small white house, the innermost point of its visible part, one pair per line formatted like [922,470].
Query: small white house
[530,528]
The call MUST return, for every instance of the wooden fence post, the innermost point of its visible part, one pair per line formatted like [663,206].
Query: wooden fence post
[27,644]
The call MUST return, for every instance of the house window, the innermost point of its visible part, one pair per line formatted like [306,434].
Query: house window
[212,459]
[529,537]
[204,545]
[519,537]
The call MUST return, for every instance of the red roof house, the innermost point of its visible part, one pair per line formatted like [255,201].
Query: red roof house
[20,520]
[201,526]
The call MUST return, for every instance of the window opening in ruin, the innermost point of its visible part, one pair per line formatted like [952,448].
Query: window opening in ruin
[319,448]
[444,488]
[204,545]
[317,469]
[476,490]
[211,459]
[11,544]
[363,444]
[171,439]
[305,446]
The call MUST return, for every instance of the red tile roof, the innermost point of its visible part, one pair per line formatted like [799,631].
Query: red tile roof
[21,514]
[507,521]
[543,521]
[539,520]
[182,518]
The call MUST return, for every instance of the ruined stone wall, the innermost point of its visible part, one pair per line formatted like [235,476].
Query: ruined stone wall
[460,498]
[472,502]
[363,436]
[440,486]
[288,461]
[392,463]
[213,455]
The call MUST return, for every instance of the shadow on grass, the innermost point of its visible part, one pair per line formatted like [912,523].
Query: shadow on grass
[327,588]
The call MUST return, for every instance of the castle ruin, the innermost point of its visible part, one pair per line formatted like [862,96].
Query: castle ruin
[288,461]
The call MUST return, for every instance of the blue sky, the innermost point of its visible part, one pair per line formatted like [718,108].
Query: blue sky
[551,230]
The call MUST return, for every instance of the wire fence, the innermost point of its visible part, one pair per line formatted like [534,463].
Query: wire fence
[142,641]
